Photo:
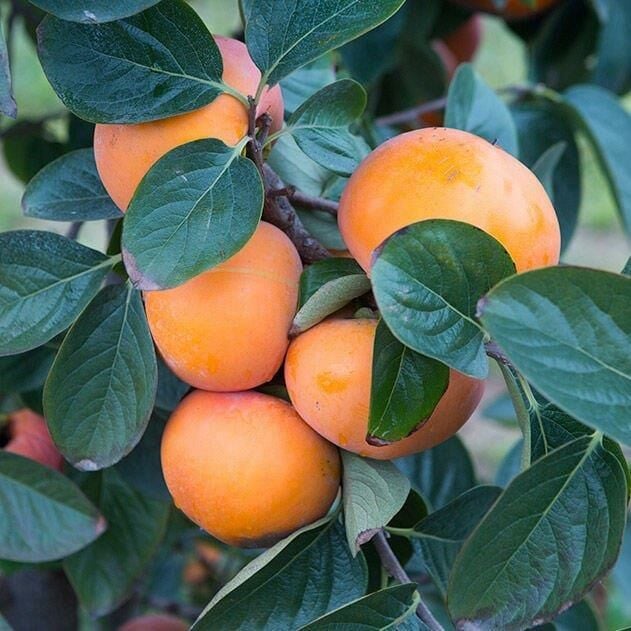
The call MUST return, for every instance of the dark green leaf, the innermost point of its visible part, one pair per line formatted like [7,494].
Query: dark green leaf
[608,126]
[171,390]
[7,102]
[561,521]
[613,67]
[142,469]
[320,126]
[101,389]
[440,473]
[277,591]
[439,537]
[104,573]
[406,387]
[91,11]
[427,279]
[374,492]
[284,36]
[580,617]
[44,515]
[306,81]
[327,286]
[542,124]
[26,371]
[46,280]
[626,271]
[560,54]
[473,106]
[323,227]
[567,329]
[197,206]
[545,167]
[510,465]
[28,150]
[69,189]
[152,65]
[376,612]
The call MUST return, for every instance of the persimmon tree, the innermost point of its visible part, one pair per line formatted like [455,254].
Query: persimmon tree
[307,284]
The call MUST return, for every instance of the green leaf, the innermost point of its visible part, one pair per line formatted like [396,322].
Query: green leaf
[441,473]
[613,65]
[545,167]
[306,81]
[427,279]
[282,37]
[101,389]
[607,126]
[28,150]
[374,492]
[69,189]
[158,63]
[406,387]
[91,11]
[581,616]
[542,124]
[46,280]
[510,466]
[197,206]
[171,389]
[567,329]
[4,625]
[439,537]
[320,126]
[325,287]
[8,106]
[473,106]
[26,371]
[142,469]
[104,573]
[561,521]
[378,611]
[44,515]
[277,590]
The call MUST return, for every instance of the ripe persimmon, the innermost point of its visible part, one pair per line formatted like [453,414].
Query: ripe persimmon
[440,173]
[246,468]
[226,329]
[28,436]
[124,153]
[464,41]
[328,373]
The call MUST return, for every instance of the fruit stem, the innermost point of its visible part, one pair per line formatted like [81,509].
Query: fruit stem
[523,417]
[393,566]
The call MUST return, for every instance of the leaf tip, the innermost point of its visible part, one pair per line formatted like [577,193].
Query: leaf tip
[87,465]
[481,306]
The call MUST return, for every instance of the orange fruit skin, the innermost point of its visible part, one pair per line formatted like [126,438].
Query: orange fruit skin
[514,9]
[246,468]
[464,41]
[226,329]
[154,622]
[328,373]
[29,437]
[442,173]
[124,153]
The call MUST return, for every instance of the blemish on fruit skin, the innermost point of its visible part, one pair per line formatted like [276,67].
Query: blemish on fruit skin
[331,383]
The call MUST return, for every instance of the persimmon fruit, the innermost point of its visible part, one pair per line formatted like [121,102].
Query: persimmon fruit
[464,41]
[328,373]
[246,468]
[28,436]
[124,153]
[440,173]
[226,329]
[154,622]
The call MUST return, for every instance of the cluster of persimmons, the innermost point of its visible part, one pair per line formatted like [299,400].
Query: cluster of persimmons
[251,468]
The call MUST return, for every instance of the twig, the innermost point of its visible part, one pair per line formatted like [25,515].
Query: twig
[496,353]
[314,203]
[411,115]
[73,230]
[280,212]
[395,569]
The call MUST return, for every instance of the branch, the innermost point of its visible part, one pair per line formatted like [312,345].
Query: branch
[73,230]
[281,213]
[395,569]
[312,202]
[411,115]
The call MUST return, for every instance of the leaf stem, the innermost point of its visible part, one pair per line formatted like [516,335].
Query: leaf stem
[523,418]
[411,114]
[392,565]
